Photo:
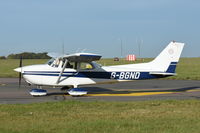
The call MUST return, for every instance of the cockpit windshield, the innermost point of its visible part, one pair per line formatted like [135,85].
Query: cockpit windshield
[50,61]
[54,62]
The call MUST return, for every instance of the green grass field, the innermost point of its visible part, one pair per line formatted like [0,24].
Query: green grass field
[171,116]
[188,68]
[102,117]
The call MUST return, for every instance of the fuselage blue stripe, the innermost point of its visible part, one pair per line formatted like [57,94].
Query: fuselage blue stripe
[100,75]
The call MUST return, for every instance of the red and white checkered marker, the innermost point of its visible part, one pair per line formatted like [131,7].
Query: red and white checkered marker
[130,57]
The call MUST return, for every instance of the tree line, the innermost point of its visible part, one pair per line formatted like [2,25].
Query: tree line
[27,55]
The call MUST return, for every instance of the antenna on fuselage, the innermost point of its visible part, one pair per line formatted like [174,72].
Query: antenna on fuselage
[63,47]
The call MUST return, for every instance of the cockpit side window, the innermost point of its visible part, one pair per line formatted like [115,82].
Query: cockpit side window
[69,65]
[72,65]
[78,65]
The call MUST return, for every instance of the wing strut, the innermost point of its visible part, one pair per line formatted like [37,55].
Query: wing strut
[61,72]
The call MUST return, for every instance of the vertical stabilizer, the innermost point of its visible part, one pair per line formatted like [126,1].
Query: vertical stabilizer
[167,60]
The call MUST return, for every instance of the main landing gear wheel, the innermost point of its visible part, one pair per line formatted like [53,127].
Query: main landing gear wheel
[76,92]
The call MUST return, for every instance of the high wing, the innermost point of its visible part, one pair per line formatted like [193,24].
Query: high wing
[77,57]
[82,57]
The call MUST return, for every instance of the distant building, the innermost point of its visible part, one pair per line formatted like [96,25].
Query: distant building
[131,57]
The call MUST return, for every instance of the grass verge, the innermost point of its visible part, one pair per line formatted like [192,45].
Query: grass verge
[102,117]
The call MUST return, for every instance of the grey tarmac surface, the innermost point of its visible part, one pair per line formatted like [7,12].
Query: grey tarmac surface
[10,93]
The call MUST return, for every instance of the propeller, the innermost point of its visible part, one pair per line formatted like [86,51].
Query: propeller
[20,73]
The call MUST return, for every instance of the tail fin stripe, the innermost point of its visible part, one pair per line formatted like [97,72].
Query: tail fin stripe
[174,63]
[172,67]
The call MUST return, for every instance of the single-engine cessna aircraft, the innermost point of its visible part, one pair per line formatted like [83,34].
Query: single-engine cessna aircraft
[71,71]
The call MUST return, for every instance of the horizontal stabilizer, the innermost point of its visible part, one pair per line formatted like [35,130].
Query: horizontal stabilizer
[162,74]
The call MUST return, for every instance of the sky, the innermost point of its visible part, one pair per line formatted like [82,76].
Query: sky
[99,26]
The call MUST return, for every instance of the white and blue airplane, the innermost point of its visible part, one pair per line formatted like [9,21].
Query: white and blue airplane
[71,71]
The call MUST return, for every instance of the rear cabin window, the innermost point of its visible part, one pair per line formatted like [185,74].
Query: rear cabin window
[85,66]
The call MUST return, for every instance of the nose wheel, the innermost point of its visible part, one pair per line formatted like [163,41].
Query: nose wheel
[38,92]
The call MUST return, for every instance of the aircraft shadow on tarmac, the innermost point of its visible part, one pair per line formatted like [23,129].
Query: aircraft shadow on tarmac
[99,90]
